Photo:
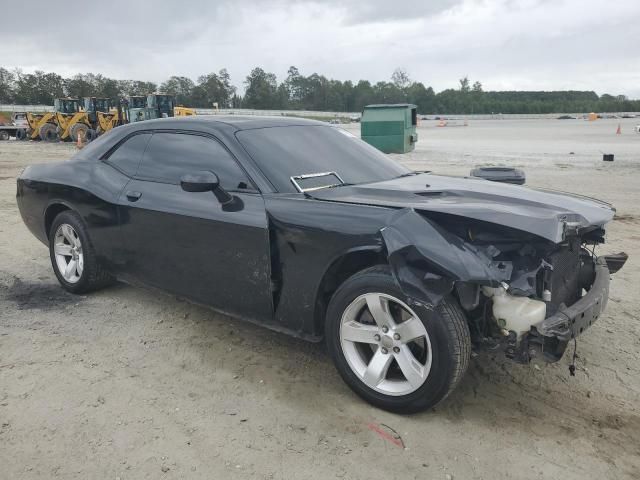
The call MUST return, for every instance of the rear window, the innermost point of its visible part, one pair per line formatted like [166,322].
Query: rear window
[96,148]
[128,155]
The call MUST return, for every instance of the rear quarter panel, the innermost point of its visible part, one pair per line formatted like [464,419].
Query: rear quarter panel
[91,188]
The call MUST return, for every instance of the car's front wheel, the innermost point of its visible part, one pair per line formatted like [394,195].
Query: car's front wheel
[73,256]
[400,357]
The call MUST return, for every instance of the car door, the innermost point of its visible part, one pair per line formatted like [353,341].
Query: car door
[188,243]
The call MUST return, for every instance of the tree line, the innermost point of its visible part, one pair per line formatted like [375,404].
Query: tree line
[313,92]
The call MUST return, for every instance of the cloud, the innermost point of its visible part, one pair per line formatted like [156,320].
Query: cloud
[382,11]
[506,44]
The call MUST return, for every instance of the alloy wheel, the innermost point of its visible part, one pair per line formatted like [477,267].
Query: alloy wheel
[385,344]
[68,253]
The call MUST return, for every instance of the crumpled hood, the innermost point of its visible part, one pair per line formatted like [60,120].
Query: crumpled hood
[548,214]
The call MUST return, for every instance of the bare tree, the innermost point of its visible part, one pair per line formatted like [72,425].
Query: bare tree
[400,78]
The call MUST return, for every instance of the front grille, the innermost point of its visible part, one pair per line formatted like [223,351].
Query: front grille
[564,279]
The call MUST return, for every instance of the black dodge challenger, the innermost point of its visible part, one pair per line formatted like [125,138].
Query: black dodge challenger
[303,228]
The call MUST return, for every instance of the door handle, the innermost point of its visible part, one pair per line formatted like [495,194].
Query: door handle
[133,196]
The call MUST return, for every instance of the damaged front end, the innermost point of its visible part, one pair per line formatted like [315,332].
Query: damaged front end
[522,293]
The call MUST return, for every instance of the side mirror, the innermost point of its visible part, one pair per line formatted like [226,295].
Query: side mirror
[199,182]
[205,182]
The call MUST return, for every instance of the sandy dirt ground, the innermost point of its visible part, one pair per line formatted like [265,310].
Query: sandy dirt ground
[131,384]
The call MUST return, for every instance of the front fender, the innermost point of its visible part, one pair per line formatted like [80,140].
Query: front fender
[426,260]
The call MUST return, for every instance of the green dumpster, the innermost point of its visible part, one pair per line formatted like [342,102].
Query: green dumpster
[390,128]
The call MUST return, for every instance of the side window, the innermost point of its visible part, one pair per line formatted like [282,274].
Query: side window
[127,156]
[169,156]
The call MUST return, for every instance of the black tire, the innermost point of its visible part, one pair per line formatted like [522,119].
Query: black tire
[91,135]
[4,135]
[447,329]
[93,276]
[48,133]
[79,128]
[21,134]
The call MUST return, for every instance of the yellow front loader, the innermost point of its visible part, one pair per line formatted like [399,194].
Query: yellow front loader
[101,115]
[72,120]
[93,117]
[107,120]
[42,126]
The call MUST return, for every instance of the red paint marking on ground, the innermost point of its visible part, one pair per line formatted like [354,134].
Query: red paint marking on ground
[385,435]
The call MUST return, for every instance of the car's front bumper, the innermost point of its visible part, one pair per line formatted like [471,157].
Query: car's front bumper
[569,322]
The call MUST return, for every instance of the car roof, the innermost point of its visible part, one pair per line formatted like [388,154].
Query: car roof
[216,122]
[218,125]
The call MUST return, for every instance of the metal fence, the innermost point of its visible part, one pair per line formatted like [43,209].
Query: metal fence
[26,108]
[277,113]
[311,113]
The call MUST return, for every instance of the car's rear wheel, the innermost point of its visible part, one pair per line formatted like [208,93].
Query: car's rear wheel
[399,357]
[73,256]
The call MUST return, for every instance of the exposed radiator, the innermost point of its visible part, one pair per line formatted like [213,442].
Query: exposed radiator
[564,280]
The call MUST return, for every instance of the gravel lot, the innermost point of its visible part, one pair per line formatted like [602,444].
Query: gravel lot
[126,383]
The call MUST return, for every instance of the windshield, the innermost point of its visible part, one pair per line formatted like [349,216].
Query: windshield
[66,106]
[137,102]
[163,102]
[102,104]
[292,151]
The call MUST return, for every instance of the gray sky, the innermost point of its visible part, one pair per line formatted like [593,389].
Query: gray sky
[506,44]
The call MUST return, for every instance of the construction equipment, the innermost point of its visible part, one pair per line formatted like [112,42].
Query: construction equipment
[135,108]
[95,105]
[108,120]
[154,105]
[94,117]
[72,120]
[182,111]
[51,126]
[101,116]
[42,126]
[160,106]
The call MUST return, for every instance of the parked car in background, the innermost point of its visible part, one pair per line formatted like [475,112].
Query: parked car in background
[303,228]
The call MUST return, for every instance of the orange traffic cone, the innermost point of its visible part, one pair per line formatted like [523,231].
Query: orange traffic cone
[79,141]
[619,130]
